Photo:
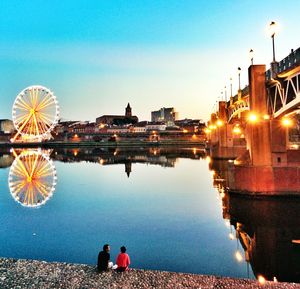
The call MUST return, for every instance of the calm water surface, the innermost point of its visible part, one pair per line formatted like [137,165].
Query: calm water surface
[160,204]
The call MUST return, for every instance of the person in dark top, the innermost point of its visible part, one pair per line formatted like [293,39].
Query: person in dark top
[103,259]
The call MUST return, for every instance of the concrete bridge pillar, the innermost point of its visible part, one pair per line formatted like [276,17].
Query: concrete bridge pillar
[266,139]
[258,134]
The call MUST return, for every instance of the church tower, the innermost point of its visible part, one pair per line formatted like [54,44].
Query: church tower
[128,111]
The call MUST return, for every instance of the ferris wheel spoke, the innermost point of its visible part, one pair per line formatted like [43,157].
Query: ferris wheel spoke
[45,100]
[42,189]
[36,125]
[22,101]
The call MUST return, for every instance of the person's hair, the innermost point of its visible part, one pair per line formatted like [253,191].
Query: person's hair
[105,247]
[123,249]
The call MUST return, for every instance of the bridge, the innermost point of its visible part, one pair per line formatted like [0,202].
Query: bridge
[259,127]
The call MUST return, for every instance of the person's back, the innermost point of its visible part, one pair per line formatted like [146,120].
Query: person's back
[123,260]
[103,259]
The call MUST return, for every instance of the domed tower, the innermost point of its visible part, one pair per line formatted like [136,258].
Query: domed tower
[128,112]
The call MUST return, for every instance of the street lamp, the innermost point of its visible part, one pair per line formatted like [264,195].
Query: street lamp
[239,73]
[251,54]
[273,30]
[225,92]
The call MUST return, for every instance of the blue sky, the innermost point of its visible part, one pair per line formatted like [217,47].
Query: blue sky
[98,55]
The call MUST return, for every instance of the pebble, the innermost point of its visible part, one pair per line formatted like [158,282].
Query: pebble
[40,274]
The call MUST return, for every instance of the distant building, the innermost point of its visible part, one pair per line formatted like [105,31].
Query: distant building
[167,115]
[6,126]
[128,118]
[156,126]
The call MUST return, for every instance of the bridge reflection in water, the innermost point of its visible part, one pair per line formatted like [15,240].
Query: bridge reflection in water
[267,228]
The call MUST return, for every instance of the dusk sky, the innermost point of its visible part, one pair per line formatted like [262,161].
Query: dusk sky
[99,55]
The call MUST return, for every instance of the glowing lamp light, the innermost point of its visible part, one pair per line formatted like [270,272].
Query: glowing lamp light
[231,236]
[261,279]
[266,117]
[207,130]
[252,117]
[219,122]
[273,28]
[185,131]
[237,130]
[286,122]
[208,159]
[238,256]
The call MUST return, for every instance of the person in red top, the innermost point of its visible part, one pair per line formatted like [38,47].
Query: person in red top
[123,260]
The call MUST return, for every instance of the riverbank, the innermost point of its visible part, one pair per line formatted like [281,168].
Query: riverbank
[16,273]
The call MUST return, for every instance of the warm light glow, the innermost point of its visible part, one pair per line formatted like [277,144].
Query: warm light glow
[273,28]
[115,135]
[231,236]
[266,117]
[194,136]
[261,279]
[219,122]
[75,152]
[102,125]
[208,159]
[185,131]
[101,161]
[237,130]
[275,279]
[238,256]
[207,130]
[252,117]
[194,151]
[222,195]
[286,122]
[75,135]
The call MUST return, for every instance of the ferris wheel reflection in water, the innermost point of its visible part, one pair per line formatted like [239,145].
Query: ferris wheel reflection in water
[32,178]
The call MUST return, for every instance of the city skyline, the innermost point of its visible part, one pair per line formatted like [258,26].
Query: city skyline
[99,56]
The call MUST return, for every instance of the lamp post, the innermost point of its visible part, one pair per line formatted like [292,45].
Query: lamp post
[239,73]
[225,92]
[251,54]
[272,28]
[230,86]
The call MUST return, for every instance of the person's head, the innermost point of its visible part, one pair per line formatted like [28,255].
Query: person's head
[106,248]
[123,249]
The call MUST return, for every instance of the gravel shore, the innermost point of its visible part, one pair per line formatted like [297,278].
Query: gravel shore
[16,273]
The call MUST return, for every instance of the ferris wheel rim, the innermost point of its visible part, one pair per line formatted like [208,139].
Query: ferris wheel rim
[54,121]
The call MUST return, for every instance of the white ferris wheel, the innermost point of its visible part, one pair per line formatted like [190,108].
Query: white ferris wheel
[35,113]
[32,178]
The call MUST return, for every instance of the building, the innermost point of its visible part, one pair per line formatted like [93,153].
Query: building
[167,115]
[6,126]
[156,126]
[128,118]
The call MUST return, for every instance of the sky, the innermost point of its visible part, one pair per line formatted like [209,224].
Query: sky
[98,55]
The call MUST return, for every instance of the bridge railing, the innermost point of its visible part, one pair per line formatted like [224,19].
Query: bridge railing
[289,62]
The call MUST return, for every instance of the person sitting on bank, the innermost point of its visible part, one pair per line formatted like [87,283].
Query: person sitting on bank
[103,259]
[123,260]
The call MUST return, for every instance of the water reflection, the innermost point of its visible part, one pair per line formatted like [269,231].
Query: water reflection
[266,229]
[32,178]
[165,157]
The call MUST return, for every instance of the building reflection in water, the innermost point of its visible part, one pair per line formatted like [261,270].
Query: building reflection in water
[32,177]
[165,157]
[267,229]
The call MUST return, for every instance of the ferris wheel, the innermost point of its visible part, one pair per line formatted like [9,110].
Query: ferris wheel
[35,113]
[32,178]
